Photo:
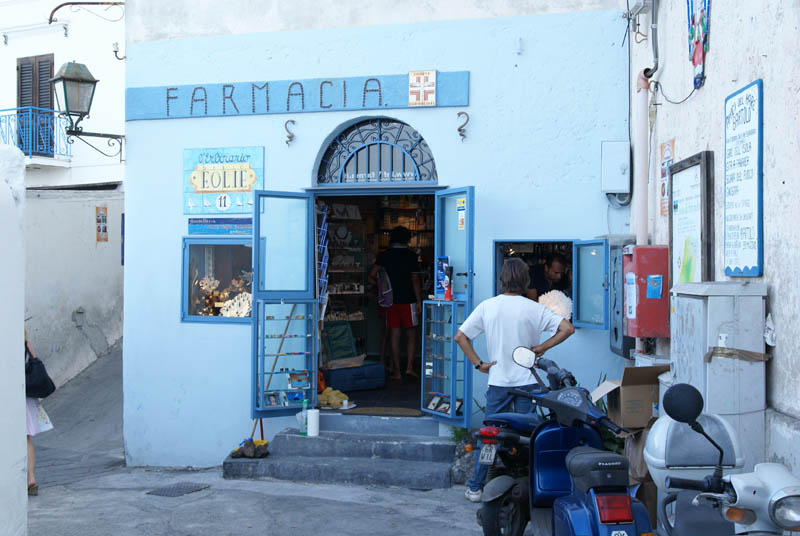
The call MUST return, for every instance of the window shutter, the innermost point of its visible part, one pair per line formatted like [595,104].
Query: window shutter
[25,82]
[44,68]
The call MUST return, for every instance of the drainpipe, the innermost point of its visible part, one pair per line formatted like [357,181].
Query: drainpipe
[640,169]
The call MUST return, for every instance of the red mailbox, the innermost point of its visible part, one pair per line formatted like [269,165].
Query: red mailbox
[646,272]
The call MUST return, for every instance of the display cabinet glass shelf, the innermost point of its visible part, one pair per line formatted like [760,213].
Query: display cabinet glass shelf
[286,356]
[447,374]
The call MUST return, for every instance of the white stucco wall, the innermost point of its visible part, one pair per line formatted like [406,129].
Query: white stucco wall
[153,21]
[68,269]
[13,497]
[749,41]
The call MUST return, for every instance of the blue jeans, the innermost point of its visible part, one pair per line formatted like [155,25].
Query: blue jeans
[498,400]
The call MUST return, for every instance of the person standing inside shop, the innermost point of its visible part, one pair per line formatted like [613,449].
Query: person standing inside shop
[509,320]
[548,276]
[402,266]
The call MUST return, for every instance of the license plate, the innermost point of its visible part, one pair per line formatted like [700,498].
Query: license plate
[487,454]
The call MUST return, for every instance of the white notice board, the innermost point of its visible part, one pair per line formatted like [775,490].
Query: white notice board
[691,219]
[743,182]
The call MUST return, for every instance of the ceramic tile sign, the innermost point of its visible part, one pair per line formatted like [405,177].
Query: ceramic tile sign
[421,88]
[743,182]
[667,156]
[101,223]
[221,180]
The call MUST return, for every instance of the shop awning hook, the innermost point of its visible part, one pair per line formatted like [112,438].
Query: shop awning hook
[289,133]
[462,126]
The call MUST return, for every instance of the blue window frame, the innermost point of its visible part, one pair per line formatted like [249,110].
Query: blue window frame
[216,280]
[590,284]
[283,232]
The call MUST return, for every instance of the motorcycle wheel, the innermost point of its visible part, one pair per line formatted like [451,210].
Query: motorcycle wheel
[502,517]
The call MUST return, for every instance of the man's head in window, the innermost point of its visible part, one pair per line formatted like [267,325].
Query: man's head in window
[555,266]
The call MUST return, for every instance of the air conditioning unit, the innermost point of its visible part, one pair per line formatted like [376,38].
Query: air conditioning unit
[637,7]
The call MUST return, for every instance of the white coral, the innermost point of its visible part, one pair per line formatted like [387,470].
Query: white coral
[558,302]
[208,284]
[239,306]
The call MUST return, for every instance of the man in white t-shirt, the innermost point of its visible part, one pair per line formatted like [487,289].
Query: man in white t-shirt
[508,321]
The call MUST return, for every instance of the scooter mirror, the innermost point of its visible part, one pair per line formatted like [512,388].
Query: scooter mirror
[524,357]
[683,403]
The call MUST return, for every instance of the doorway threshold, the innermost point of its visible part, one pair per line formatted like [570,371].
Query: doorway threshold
[334,421]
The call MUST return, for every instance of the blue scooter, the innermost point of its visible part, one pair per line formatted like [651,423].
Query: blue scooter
[556,462]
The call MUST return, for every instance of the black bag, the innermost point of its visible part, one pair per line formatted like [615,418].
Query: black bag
[37,382]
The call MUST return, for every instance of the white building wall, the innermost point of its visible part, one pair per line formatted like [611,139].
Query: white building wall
[154,21]
[13,497]
[748,41]
[76,35]
[67,268]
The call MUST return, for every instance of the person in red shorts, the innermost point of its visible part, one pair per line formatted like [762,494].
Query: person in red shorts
[402,266]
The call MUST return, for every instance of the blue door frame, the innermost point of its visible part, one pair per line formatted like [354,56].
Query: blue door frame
[457,204]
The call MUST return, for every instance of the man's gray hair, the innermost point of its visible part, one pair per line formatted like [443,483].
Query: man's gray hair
[514,276]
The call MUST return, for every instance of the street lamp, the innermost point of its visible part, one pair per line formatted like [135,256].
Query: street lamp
[74,89]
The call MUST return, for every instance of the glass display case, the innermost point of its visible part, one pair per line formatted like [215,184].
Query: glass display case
[447,373]
[217,280]
[286,350]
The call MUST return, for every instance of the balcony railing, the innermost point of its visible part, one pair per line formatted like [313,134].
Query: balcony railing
[36,131]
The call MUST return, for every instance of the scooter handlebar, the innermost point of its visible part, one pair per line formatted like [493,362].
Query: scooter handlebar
[691,484]
[612,426]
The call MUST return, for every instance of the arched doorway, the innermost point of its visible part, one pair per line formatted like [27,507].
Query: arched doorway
[377,151]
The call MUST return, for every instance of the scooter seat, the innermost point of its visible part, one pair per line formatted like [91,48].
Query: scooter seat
[593,468]
[523,423]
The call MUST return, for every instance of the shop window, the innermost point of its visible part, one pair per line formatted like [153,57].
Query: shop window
[581,273]
[217,280]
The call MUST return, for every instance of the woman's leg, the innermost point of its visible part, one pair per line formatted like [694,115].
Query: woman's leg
[411,347]
[394,334]
[31,462]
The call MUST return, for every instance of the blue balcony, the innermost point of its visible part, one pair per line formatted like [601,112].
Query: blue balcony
[36,131]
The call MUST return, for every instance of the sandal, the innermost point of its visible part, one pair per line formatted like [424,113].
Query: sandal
[33,489]
[412,374]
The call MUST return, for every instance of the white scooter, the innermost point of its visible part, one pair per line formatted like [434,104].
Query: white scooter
[765,502]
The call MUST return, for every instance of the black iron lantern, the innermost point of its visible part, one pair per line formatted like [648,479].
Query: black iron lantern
[74,88]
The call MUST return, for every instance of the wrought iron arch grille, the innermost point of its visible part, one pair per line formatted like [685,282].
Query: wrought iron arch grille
[377,151]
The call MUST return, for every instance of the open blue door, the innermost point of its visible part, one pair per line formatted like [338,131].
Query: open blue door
[590,283]
[285,324]
[446,373]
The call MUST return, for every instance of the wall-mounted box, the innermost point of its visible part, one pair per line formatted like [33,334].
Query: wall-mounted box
[646,271]
[619,343]
[615,167]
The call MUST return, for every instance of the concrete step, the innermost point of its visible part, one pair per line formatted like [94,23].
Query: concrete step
[348,445]
[368,424]
[360,471]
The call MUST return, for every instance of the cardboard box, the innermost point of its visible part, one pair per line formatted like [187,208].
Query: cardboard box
[631,400]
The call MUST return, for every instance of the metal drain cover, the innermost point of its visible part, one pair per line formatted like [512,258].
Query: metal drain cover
[178,489]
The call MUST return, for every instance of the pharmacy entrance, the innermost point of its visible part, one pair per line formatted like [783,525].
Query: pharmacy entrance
[318,327]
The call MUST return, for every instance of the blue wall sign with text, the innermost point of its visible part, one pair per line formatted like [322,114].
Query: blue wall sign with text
[222,180]
[380,92]
[221,226]
[743,218]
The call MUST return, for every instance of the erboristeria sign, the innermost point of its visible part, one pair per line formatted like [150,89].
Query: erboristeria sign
[409,90]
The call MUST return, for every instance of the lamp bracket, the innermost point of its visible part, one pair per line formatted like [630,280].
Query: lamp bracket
[114,141]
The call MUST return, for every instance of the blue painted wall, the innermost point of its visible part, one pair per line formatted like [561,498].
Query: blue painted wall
[545,91]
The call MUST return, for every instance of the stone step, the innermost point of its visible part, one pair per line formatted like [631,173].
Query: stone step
[369,424]
[342,470]
[348,445]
